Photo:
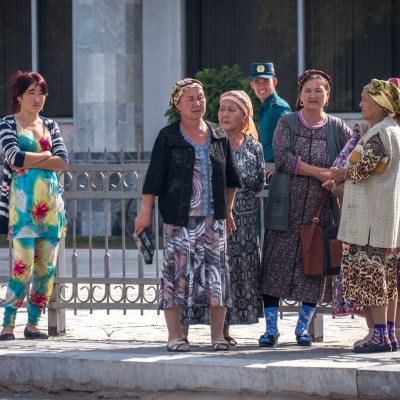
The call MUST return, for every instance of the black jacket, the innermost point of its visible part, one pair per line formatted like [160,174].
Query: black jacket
[170,173]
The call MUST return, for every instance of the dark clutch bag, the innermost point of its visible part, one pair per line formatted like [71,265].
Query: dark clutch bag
[145,246]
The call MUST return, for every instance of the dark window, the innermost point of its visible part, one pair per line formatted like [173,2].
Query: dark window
[277,42]
[229,32]
[220,33]
[353,41]
[55,50]
[55,55]
[15,44]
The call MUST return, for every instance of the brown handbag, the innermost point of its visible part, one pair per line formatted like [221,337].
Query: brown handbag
[321,251]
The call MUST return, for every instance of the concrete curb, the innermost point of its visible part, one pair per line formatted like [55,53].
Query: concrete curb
[320,372]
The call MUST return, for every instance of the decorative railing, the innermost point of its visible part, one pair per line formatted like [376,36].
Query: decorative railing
[102,198]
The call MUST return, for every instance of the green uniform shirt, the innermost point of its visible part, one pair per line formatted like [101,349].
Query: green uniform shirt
[271,110]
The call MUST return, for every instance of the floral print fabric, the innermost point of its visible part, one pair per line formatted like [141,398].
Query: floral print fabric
[36,258]
[36,204]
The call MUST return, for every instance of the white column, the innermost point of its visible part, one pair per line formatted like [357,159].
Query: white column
[300,38]
[163,61]
[34,36]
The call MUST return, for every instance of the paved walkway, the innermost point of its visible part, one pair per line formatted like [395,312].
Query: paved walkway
[128,352]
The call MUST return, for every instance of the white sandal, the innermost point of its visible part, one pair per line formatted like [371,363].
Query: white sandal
[174,345]
[220,345]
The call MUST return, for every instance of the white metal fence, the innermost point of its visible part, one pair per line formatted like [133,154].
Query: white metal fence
[106,272]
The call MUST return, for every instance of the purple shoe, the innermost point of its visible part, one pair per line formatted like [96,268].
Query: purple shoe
[369,347]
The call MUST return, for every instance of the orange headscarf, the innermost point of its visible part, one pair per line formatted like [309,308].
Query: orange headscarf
[243,100]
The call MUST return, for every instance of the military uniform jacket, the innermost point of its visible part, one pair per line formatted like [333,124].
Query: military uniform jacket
[271,110]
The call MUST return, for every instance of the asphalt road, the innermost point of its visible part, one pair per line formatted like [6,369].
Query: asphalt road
[173,395]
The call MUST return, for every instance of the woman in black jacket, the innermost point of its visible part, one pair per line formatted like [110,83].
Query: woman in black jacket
[193,173]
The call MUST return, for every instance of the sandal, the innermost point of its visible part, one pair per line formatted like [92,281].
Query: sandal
[304,339]
[369,347]
[231,341]
[175,346]
[220,345]
[186,340]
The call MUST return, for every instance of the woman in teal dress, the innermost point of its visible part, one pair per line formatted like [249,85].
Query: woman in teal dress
[31,199]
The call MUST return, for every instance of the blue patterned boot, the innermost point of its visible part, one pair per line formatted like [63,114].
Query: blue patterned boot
[301,332]
[270,337]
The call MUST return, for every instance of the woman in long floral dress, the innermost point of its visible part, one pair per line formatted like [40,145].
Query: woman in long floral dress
[310,154]
[31,197]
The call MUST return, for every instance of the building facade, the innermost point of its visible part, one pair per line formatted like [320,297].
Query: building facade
[110,64]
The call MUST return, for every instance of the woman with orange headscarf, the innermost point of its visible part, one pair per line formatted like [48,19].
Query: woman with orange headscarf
[236,118]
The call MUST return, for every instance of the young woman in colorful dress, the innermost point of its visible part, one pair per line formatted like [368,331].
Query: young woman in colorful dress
[34,151]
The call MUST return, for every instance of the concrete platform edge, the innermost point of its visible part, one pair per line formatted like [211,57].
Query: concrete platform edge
[79,373]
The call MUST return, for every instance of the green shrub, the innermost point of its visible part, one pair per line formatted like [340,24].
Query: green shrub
[215,83]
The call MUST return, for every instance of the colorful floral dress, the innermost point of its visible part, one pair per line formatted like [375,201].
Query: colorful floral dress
[36,204]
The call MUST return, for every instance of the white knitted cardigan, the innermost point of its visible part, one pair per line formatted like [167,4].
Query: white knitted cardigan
[371,207]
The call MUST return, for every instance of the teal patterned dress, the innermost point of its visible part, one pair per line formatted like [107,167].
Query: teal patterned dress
[36,204]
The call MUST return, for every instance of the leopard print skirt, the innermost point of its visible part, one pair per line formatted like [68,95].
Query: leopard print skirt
[369,274]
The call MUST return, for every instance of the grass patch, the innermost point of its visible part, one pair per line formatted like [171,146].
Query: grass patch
[82,242]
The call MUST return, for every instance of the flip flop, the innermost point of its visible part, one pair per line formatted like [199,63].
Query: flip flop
[175,346]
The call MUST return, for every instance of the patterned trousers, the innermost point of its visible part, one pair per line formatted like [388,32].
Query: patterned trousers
[36,258]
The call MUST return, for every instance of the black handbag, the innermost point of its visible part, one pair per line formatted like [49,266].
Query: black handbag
[3,225]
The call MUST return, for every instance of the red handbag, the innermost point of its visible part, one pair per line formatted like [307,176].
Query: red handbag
[321,251]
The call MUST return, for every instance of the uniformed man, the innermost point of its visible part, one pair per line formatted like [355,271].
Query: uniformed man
[263,82]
